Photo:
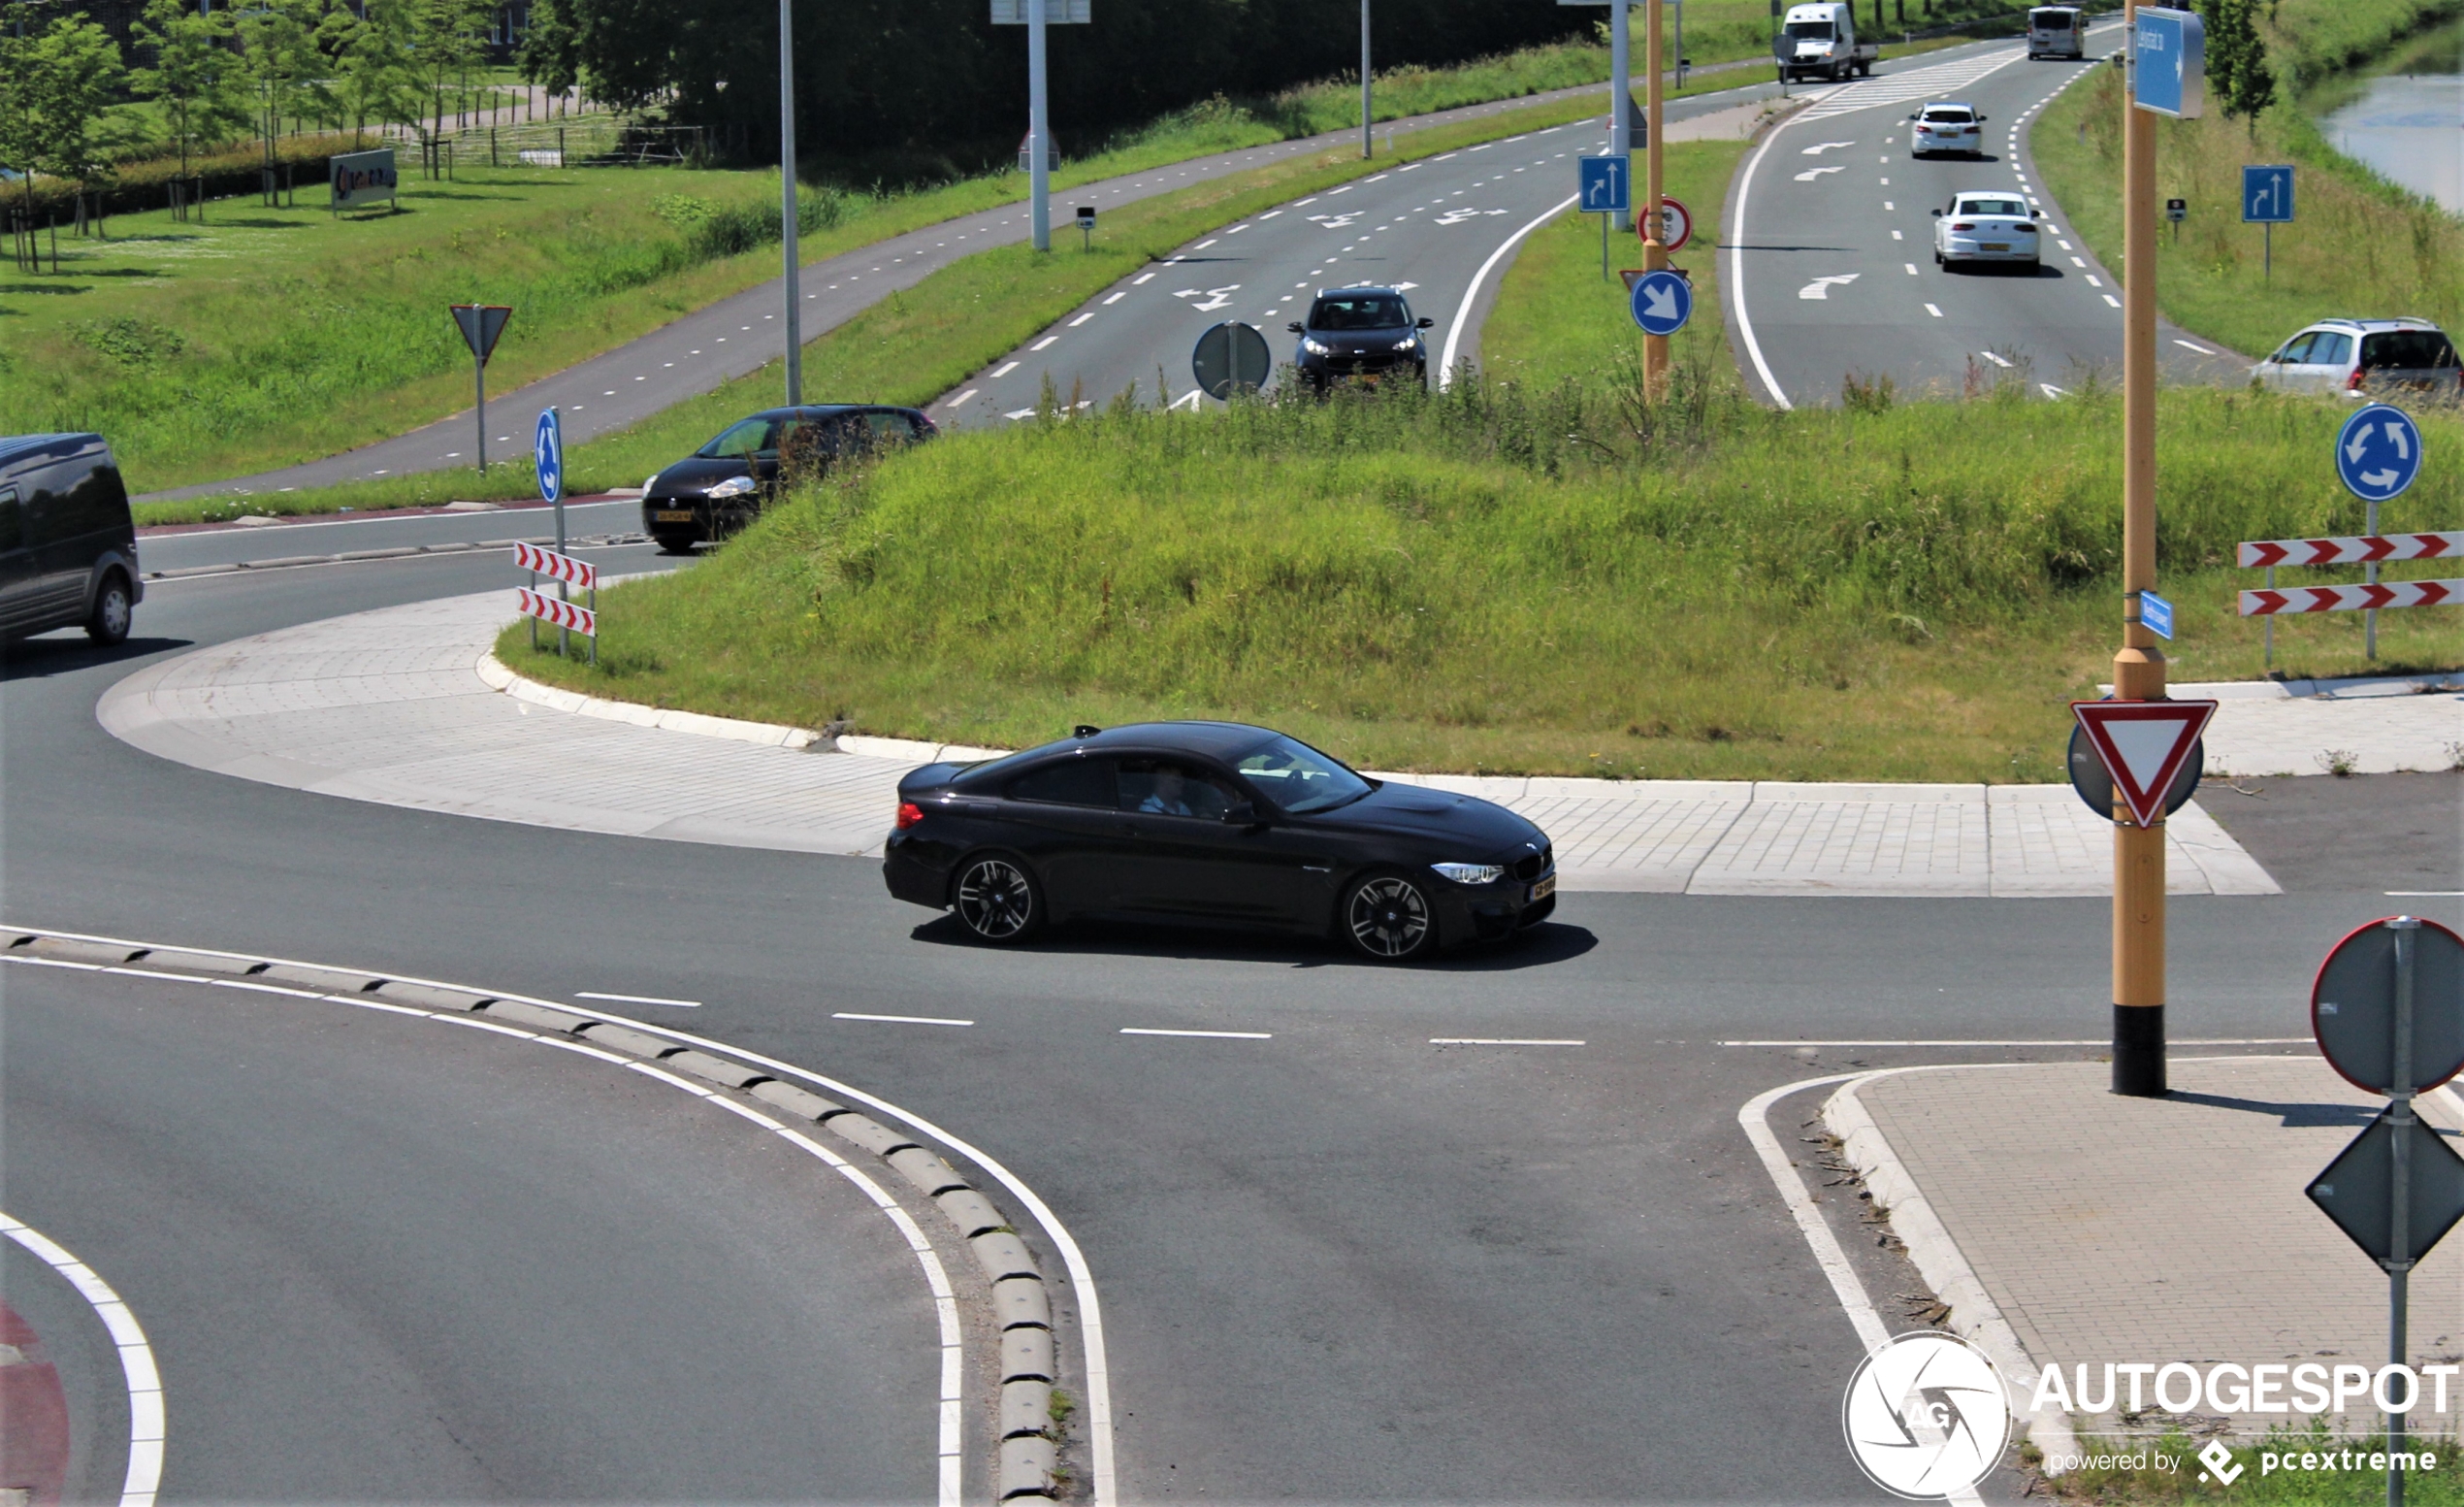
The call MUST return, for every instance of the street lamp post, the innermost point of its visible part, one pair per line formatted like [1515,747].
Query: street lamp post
[787,201]
[1621,137]
[1366,149]
[1039,131]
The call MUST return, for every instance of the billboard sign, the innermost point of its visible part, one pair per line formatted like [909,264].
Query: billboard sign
[363,177]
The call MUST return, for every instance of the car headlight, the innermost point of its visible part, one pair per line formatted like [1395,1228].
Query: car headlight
[733,486]
[650,485]
[1316,348]
[1407,342]
[1469,874]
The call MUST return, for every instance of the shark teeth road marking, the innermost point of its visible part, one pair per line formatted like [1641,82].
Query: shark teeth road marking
[1821,287]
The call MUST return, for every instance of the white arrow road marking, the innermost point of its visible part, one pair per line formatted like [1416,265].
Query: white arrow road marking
[1457,217]
[1218,297]
[1991,356]
[1810,174]
[2403,447]
[1335,222]
[1821,287]
[1816,151]
[1400,287]
[1189,402]
[2051,391]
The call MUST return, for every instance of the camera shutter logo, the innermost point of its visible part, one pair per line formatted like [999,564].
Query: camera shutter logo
[1927,1414]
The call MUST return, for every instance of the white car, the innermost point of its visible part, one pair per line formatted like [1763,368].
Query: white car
[2357,360]
[1948,126]
[1985,227]
[2057,31]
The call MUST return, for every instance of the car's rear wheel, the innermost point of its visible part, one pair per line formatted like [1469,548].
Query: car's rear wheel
[997,899]
[1387,918]
[113,614]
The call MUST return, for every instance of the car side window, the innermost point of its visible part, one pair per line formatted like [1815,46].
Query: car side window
[1072,781]
[2329,351]
[742,442]
[890,428]
[2296,351]
[11,519]
[1171,786]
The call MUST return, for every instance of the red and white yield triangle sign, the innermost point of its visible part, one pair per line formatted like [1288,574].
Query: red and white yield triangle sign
[2143,744]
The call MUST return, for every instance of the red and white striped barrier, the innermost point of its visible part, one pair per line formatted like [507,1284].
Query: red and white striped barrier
[2351,549]
[572,572]
[2353,599]
[561,614]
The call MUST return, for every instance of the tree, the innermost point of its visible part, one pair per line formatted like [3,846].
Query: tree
[54,87]
[370,65]
[195,73]
[551,52]
[446,37]
[281,61]
[2238,77]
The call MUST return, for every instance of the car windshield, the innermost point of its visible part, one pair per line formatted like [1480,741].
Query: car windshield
[745,440]
[1360,311]
[1810,31]
[2012,207]
[1298,777]
[1949,115]
[2407,351]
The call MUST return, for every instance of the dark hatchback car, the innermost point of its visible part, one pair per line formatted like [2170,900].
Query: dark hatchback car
[1365,335]
[1213,822]
[67,548]
[719,488]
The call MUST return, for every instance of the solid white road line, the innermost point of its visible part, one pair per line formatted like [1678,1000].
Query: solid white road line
[2017,1041]
[135,1359]
[1228,1035]
[1463,315]
[686,1004]
[1737,271]
[899,1020]
[1505,1041]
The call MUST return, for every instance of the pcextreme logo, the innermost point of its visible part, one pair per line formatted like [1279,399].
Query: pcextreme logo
[1927,1416]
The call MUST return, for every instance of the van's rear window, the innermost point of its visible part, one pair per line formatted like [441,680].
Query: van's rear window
[2407,351]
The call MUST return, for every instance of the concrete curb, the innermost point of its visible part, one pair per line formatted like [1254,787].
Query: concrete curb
[395,552]
[1027,1440]
[1974,1315]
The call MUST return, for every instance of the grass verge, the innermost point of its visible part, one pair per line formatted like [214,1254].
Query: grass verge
[2286,1467]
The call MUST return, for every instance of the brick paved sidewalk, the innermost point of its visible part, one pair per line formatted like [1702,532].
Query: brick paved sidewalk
[2380,725]
[2104,1230]
[392,707]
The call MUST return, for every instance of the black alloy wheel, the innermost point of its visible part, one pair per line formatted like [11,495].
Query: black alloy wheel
[113,612]
[1387,918]
[996,900]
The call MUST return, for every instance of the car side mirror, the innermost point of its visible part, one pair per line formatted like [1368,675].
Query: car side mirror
[1981,119]
[1240,814]
[1296,328]
[1427,323]
[1937,213]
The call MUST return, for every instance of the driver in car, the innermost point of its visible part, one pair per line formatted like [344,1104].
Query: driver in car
[1169,796]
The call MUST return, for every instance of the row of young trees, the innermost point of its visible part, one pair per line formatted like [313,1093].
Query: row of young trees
[226,75]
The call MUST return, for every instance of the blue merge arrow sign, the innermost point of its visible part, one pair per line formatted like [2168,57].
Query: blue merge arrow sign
[1603,184]
[548,449]
[2169,72]
[2267,194]
[1661,302]
[2378,452]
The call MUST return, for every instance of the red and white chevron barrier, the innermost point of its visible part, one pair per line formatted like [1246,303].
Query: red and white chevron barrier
[2353,599]
[561,614]
[2351,549]
[572,572]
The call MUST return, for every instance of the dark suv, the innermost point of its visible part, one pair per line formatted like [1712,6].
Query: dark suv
[1363,333]
[719,488]
[67,548]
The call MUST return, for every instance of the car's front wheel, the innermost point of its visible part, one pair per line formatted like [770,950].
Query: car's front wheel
[1387,918]
[997,899]
[113,614]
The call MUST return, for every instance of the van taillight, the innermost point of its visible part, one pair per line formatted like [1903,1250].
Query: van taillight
[2353,383]
[909,814]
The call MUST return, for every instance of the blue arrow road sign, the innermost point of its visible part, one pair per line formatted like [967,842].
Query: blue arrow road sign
[1604,184]
[2267,195]
[548,449]
[1663,302]
[2378,452]
[2155,615]
[2170,70]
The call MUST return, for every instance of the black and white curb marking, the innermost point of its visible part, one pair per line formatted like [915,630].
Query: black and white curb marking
[1030,1439]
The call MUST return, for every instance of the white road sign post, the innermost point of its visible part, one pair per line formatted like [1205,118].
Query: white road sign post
[482,324]
[1035,16]
[1621,141]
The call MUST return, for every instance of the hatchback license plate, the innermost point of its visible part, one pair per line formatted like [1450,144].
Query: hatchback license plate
[1994,246]
[1543,889]
[672,515]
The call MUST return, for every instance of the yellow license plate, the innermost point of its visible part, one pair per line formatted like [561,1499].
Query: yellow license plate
[1543,890]
[1994,246]
[672,515]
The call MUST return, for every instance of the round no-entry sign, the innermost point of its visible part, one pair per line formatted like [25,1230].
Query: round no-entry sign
[1676,224]
[2353,1005]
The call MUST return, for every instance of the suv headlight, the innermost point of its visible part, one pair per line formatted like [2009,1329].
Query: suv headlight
[1469,874]
[1316,348]
[1407,342]
[650,485]
[733,486]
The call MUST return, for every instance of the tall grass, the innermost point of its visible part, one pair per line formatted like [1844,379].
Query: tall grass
[1500,578]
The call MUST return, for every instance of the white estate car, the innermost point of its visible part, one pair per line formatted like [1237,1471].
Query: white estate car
[1985,227]
[2361,358]
[1947,127]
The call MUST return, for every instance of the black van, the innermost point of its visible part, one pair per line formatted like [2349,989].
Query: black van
[67,548]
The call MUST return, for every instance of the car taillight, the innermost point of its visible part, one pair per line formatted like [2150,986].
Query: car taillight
[2353,383]
[909,814]
[1961,225]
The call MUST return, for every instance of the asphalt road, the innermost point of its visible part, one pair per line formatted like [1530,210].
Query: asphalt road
[177,549]
[1339,1263]
[381,1258]
[1831,242]
[741,334]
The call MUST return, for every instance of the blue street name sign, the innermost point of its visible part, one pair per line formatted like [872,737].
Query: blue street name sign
[2170,63]
[2267,195]
[548,449]
[1661,302]
[2378,452]
[2156,615]
[1605,185]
